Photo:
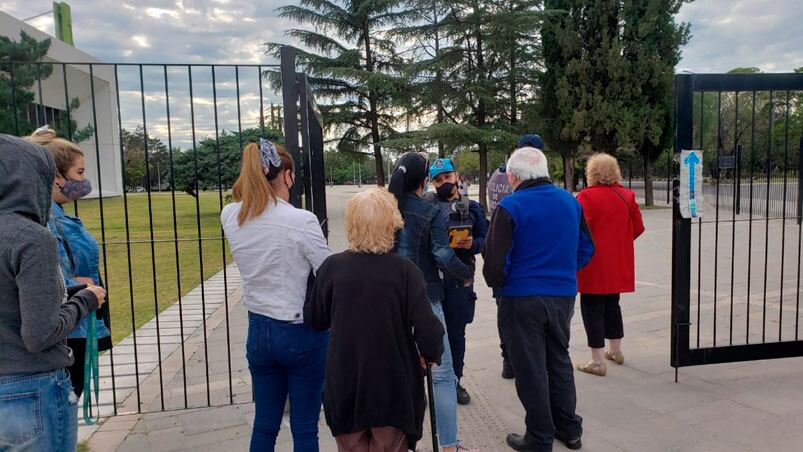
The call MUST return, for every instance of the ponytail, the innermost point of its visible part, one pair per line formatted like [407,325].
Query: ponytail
[253,187]
[407,177]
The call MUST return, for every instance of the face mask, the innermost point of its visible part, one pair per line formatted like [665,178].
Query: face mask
[75,189]
[446,190]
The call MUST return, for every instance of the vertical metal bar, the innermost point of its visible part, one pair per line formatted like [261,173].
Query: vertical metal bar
[681,230]
[767,218]
[783,214]
[175,237]
[750,218]
[150,230]
[127,243]
[290,100]
[69,123]
[304,147]
[261,104]
[40,119]
[220,201]
[200,237]
[716,213]
[100,181]
[668,175]
[14,99]
[700,227]
[736,201]
[799,232]
[67,102]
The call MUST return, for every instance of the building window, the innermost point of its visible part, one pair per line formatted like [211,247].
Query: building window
[42,114]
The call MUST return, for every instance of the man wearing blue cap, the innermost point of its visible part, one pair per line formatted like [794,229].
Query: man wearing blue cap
[467,225]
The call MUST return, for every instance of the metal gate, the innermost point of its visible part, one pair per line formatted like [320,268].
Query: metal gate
[736,271]
[163,145]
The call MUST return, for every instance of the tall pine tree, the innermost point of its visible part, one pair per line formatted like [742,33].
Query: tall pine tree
[353,64]
[651,42]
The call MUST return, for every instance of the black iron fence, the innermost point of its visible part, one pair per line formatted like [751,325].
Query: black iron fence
[736,271]
[163,145]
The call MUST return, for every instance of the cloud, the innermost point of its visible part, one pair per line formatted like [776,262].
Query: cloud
[738,33]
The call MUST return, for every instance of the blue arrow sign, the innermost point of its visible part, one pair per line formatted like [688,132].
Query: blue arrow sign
[692,160]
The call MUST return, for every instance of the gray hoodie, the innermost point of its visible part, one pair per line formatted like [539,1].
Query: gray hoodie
[35,315]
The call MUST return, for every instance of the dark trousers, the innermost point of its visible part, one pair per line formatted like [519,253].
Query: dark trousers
[285,360]
[536,333]
[458,310]
[499,328]
[602,318]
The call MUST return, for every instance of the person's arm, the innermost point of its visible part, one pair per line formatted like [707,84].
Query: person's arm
[445,257]
[64,256]
[480,230]
[316,250]
[318,306]
[497,247]
[427,329]
[635,218]
[585,246]
[45,320]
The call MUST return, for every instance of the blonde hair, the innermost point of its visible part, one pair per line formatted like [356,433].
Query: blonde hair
[64,152]
[603,169]
[253,187]
[372,219]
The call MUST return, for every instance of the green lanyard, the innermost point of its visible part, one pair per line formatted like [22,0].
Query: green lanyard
[91,377]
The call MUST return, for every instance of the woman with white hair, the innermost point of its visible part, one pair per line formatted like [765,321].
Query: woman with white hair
[375,304]
[613,215]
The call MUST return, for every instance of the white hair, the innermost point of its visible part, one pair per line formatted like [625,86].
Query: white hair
[528,163]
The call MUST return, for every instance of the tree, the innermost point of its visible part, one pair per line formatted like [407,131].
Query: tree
[651,42]
[204,160]
[17,99]
[558,49]
[355,68]
[134,151]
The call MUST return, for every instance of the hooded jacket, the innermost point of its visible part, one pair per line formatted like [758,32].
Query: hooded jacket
[35,314]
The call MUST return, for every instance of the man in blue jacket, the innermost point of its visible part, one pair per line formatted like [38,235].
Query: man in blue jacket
[538,240]
[460,214]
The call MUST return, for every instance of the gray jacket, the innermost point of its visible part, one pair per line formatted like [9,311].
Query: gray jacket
[35,314]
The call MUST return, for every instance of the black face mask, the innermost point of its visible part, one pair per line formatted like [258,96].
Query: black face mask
[446,190]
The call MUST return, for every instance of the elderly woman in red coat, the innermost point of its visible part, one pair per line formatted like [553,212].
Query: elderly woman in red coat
[613,215]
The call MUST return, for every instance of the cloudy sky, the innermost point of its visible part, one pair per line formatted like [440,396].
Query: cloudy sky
[726,34]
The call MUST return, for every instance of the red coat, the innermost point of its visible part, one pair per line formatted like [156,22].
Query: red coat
[613,215]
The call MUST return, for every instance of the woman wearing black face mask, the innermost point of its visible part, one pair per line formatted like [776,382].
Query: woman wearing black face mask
[79,254]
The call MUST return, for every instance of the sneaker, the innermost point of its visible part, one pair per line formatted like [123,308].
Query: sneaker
[618,357]
[507,370]
[595,368]
[463,398]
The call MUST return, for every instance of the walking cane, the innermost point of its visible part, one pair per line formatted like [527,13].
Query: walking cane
[431,397]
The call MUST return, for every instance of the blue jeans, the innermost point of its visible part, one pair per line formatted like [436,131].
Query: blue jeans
[445,385]
[284,359]
[38,412]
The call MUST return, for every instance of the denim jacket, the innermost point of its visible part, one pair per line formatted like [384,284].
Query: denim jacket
[424,241]
[78,256]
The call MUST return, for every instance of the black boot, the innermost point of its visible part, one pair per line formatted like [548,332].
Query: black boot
[507,370]
[573,444]
[463,398]
[519,442]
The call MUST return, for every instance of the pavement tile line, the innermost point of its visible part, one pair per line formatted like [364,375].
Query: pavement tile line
[125,374]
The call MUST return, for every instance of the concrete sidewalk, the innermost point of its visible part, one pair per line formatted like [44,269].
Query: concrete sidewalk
[754,406]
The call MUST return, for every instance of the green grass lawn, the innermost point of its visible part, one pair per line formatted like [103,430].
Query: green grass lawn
[143,288]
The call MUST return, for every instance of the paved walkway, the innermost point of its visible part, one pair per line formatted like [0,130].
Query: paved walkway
[734,407]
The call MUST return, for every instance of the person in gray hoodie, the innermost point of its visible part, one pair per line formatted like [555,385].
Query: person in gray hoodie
[38,410]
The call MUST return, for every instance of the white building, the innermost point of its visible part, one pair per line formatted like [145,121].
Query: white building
[79,86]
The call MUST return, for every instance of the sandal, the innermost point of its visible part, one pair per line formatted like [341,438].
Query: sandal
[595,368]
[617,357]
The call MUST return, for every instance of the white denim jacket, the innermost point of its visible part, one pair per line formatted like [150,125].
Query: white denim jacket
[275,253]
